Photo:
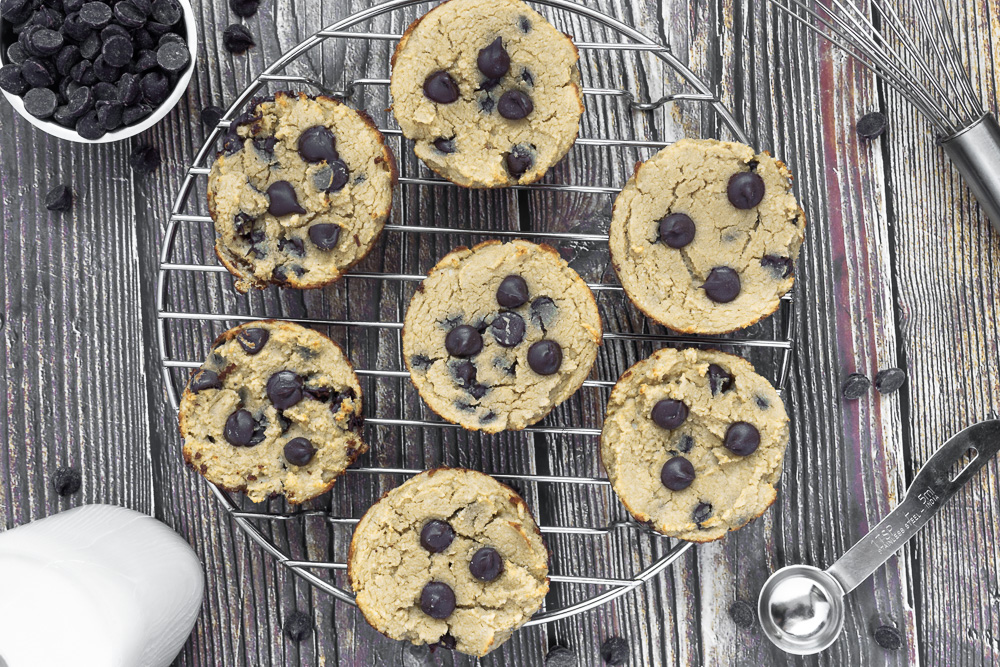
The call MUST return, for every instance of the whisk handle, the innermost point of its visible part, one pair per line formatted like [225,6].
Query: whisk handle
[975,150]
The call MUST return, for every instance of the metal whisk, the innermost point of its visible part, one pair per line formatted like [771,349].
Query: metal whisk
[913,49]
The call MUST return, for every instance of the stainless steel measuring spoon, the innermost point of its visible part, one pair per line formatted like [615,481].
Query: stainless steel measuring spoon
[802,607]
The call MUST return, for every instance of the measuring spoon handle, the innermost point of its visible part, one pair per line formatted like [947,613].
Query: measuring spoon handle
[935,483]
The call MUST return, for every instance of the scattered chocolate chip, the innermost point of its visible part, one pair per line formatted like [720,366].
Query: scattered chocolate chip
[745,189]
[614,651]
[888,637]
[173,56]
[239,429]
[284,389]
[210,115]
[41,103]
[437,600]
[508,329]
[486,564]
[722,285]
[742,438]
[436,536]
[519,160]
[446,146]
[244,8]
[494,61]
[325,235]
[463,341]
[677,473]
[66,481]
[719,380]
[669,413]
[59,199]
[144,159]
[545,357]
[889,380]
[441,88]
[855,386]
[299,451]
[298,625]
[871,125]
[512,292]
[515,105]
[283,199]
[781,267]
[560,656]
[253,340]
[677,230]
[237,39]
[317,144]
[742,614]
[701,513]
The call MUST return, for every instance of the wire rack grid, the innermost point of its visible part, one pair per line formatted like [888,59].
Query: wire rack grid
[195,302]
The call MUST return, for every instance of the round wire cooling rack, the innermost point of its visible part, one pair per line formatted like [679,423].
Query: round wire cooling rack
[571,498]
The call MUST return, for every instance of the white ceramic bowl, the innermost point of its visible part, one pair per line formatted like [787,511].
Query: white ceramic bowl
[57,130]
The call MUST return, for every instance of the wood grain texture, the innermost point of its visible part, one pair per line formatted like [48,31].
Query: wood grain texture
[899,269]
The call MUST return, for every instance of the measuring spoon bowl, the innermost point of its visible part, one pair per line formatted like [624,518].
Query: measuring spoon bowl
[801,609]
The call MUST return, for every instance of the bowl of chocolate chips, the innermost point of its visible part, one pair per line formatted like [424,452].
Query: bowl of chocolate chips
[95,71]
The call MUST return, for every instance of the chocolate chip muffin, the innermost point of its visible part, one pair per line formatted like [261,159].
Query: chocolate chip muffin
[300,192]
[451,557]
[275,409]
[705,236]
[693,442]
[488,90]
[496,336]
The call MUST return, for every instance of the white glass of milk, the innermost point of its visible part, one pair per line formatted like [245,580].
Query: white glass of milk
[96,586]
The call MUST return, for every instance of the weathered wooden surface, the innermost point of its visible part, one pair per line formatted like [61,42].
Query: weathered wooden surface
[899,268]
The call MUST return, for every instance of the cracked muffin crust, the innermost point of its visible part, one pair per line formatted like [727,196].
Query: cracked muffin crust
[488,90]
[450,557]
[705,236]
[496,336]
[693,442]
[300,192]
[275,409]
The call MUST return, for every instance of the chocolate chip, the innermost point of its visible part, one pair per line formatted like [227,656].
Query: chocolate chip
[677,473]
[889,380]
[89,127]
[145,62]
[447,641]
[36,74]
[66,481]
[745,189]
[46,42]
[527,77]
[42,103]
[615,651]
[871,125]
[560,656]
[487,104]
[239,430]
[109,114]
[421,362]
[669,413]
[117,51]
[173,56]
[524,23]
[12,81]
[129,15]
[16,54]
[888,637]
[513,292]
[144,159]
[436,536]
[685,444]
[486,564]
[465,373]
[114,30]
[68,57]
[284,389]
[325,235]
[701,513]
[742,438]
[59,199]
[519,160]
[105,91]
[155,87]
[292,246]
[95,15]
[515,105]
[167,12]
[494,61]
[298,625]
[446,146]
[441,88]
[317,144]
[508,329]
[265,146]
[299,451]
[16,11]
[134,114]
[742,614]
[253,340]
[463,341]
[210,115]
[543,311]
[437,600]
[545,357]
[237,39]
[677,230]
[722,285]
[338,177]
[762,402]
[781,267]
[283,199]
[855,386]
[244,8]
[719,380]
